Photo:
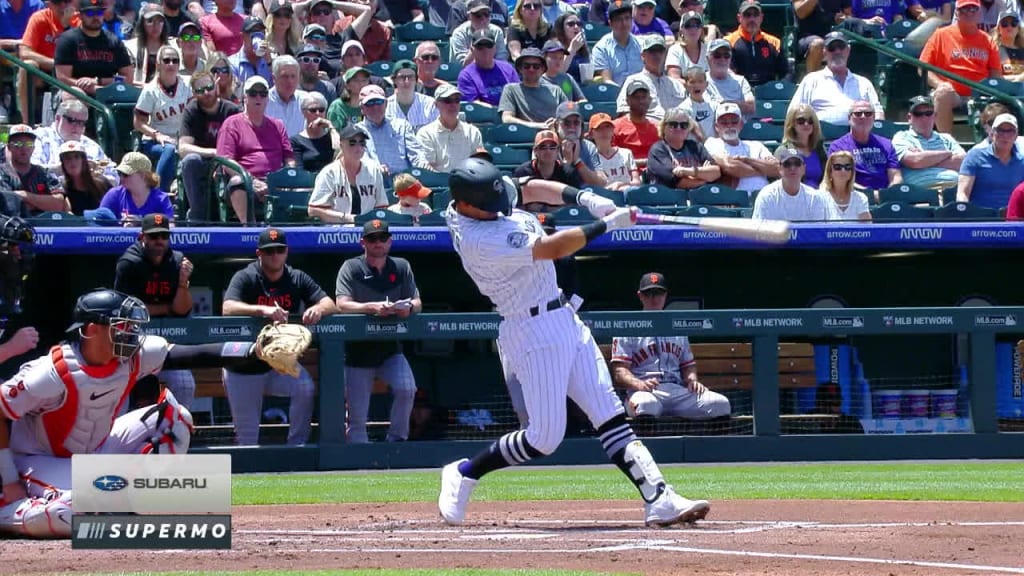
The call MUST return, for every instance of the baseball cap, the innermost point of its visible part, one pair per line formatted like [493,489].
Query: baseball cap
[483,154]
[1008,14]
[186,25]
[1005,119]
[719,43]
[600,119]
[351,43]
[135,163]
[554,46]
[253,81]
[652,42]
[652,281]
[309,49]
[272,238]
[726,108]
[567,109]
[374,226]
[618,6]
[644,3]
[485,36]
[747,4]
[315,3]
[353,71]
[691,15]
[402,65]
[962,3]
[153,223]
[21,130]
[148,10]
[275,6]
[921,101]
[836,36]
[447,91]
[351,131]
[313,29]
[788,153]
[252,24]
[545,136]
[636,85]
[477,5]
[371,92]
[531,53]
[89,4]
[71,147]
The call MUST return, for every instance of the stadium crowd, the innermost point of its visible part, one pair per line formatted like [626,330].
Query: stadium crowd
[614,95]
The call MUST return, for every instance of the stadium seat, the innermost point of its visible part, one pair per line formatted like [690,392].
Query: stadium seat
[479,115]
[420,31]
[601,92]
[699,210]
[515,135]
[778,90]
[58,219]
[656,195]
[900,29]
[392,218]
[449,72]
[719,195]
[588,109]
[832,132]
[1015,89]
[121,98]
[771,111]
[583,11]
[506,158]
[768,133]
[897,81]
[440,198]
[402,51]
[571,216]
[618,197]
[908,194]
[430,179]
[900,211]
[775,16]
[947,195]
[594,32]
[887,129]
[435,218]
[288,191]
[381,68]
[965,211]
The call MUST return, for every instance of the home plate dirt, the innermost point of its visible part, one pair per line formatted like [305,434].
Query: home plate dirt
[792,538]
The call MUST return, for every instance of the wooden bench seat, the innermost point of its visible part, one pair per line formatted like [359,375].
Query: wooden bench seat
[730,366]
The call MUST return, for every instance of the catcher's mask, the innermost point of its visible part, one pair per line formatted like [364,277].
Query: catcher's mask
[16,260]
[125,315]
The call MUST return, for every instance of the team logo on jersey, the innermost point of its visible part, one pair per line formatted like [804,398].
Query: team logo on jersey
[110,483]
[517,239]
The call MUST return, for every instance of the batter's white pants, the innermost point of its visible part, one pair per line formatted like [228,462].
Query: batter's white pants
[245,395]
[554,356]
[359,387]
[676,400]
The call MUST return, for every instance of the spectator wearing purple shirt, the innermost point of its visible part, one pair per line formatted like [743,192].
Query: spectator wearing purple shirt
[876,163]
[645,22]
[138,194]
[484,79]
[881,12]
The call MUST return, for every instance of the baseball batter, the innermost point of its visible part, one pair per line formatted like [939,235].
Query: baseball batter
[545,343]
[660,372]
[65,403]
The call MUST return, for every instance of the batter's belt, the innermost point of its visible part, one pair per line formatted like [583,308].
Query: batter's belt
[550,306]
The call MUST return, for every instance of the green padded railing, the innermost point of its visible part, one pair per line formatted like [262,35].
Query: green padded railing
[895,54]
[110,136]
[246,182]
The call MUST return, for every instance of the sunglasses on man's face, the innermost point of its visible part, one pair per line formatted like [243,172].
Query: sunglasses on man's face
[791,164]
[357,142]
[159,236]
[692,25]
[677,125]
[92,12]
[751,13]
[453,100]
[316,109]
[406,77]
[322,12]
[309,59]
[968,9]
[429,57]
[920,113]
[531,66]
[22,144]
[75,121]
[481,14]
[863,113]
[190,38]
[377,237]
[257,93]
[316,37]
[204,89]
[273,250]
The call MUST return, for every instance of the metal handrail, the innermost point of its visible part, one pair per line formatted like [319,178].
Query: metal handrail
[1003,97]
[110,136]
[246,182]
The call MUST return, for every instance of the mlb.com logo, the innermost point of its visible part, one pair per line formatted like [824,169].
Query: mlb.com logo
[737,322]
[888,320]
[433,326]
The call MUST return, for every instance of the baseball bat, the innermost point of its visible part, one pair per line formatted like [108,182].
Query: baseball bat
[766,231]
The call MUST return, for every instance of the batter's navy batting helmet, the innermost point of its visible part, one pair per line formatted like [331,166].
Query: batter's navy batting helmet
[478,183]
[123,313]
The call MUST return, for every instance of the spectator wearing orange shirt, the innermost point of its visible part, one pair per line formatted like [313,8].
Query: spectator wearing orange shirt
[634,131]
[964,49]
[39,44]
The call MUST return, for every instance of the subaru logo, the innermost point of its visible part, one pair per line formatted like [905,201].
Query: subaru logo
[110,483]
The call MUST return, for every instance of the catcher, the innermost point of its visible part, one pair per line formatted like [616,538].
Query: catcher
[64,403]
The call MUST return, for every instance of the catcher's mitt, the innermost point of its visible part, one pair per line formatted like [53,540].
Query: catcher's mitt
[281,346]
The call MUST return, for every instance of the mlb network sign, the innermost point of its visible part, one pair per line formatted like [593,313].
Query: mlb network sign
[172,501]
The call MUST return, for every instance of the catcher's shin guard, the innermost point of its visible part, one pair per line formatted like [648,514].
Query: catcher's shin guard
[169,425]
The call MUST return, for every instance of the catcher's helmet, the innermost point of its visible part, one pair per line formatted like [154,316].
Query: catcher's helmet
[123,313]
[16,259]
[15,230]
[478,183]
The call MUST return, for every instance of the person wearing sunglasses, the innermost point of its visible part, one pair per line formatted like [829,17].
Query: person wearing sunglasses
[832,90]
[254,59]
[877,164]
[479,19]
[378,285]
[528,28]
[1009,37]
[530,102]
[546,165]
[38,46]
[691,49]
[310,77]
[69,126]
[159,276]
[406,103]
[37,189]
[788,198]
[990,172]
[318,143]
[197,142]
[158,114]
[930,159]
[148,36]
[839,185]
[139,193]
[634,130]
[746,164]
[83,185]
[392,142]
[569,32]
[457,13]
[222,28]
[815,19]
[270,289]
[351,185]
[447,141]
[665,91]
[724,85]
[257,141]
[88,57]
[555,55]
[283,37]
[428,62]
[676,160]
[190,44]
[617,54]
[802,131]
[483,81]
[964,49]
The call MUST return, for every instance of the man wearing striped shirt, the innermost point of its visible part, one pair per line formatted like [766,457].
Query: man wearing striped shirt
[416,109]
[448,141]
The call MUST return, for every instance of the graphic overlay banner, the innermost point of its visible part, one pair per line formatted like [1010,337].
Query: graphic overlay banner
[151,532]
[152,484]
